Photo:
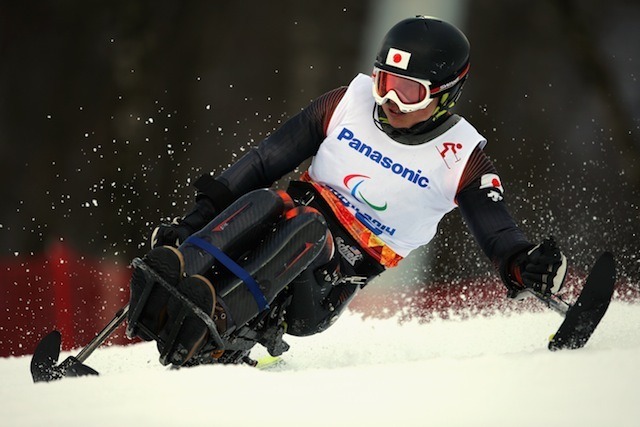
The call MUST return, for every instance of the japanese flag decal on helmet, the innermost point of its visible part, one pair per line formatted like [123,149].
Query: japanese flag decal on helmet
[398,58]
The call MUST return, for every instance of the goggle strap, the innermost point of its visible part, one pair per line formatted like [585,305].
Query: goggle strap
[452,83]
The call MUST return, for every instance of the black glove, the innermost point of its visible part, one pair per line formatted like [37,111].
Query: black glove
[181,228]
[542,268]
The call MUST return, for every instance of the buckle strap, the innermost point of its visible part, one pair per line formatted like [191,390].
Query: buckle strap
[235,268]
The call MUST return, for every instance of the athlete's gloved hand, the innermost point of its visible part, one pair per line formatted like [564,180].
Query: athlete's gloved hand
[542,268]
[180,229]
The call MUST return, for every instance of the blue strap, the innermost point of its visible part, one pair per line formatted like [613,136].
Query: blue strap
[242,274]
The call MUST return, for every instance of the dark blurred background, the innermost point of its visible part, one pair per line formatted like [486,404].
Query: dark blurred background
[109,109]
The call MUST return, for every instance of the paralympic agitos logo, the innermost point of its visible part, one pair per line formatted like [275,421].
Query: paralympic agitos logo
[354,183]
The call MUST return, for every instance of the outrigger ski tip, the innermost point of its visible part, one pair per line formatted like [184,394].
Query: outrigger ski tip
[585,314]
[45,357]
[582,318]
[46,354]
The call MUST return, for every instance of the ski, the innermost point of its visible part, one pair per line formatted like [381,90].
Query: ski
[269,362]
[46,354]
[582,318]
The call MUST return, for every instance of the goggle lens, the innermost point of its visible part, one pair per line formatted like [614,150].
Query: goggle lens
[409,91]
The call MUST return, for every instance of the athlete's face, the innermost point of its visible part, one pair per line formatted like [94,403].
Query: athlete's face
[400,120]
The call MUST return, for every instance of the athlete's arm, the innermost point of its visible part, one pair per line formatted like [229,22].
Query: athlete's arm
[295,141]
[486,214]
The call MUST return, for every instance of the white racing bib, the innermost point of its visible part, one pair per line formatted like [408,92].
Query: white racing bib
[399,192]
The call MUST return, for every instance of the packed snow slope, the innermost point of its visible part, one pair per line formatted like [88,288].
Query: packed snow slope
[480,371]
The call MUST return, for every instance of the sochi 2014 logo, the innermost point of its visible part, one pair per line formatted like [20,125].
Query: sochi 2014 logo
[354,183]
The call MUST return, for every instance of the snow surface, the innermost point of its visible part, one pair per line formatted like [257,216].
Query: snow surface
[481,371]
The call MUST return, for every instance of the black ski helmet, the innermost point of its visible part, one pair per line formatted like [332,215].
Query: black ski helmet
[438,52]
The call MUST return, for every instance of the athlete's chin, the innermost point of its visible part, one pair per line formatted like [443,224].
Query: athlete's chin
[399,122]
[397,118]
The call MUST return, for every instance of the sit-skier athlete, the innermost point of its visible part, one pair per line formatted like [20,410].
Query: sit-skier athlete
[389,160]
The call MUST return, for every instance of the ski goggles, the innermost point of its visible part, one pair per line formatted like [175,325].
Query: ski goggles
[410,94]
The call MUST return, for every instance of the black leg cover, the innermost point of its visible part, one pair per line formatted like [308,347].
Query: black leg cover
[285,253]
[236,229]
